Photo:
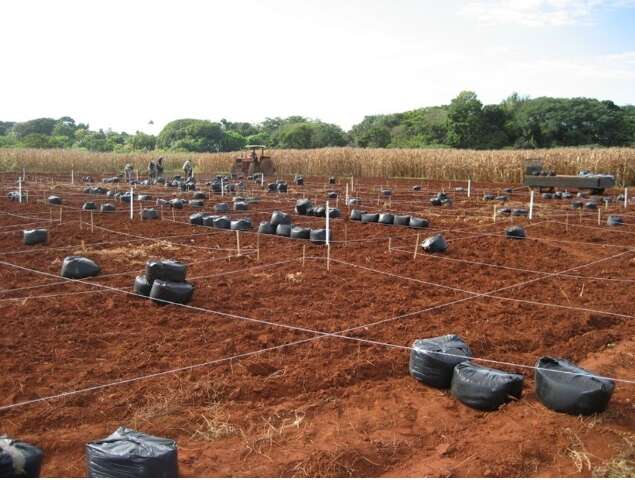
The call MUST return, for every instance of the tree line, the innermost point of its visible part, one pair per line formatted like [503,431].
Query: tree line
[516,122]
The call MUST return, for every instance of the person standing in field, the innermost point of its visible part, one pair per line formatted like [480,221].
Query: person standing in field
[187,168]
[128,171]
[152,172]
[160,167]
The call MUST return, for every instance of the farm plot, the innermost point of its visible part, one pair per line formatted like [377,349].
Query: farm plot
[292,356]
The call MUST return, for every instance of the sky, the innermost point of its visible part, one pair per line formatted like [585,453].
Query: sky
[119,64]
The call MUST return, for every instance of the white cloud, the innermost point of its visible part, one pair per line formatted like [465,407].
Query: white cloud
[539,13]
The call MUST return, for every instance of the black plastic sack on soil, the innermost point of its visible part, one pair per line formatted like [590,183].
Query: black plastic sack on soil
[566,388]
[567,195]
[416,188]
[208,220]
[240,224]
[332,180]
[505,211]
[284,230]
[107,207]
[197,218]
[298,180]
[300,233]
[169,270]
[19,459]
[386,193]
[302,206]
[547,196]
[386,218]
[127,453]
[614,220]
[484,388]
[435,243]
[141,286]
[352,201]
[176,292]
[403,220]
[515,231]
[370,217]
[222,222]
[221,207]
[436,202]
[176,203]
[79,267]
[55,200]
[197,203]
[334,213]
[356,215]
[199,196]
[144,198]
[319,211]
[520,212]
[240,206]
[279,218]
[272,187]
[282,187]
[89,206]
[35,236]
[331,195]
[489,196]
[149,214]
[266,228]
[318,236]
[591,206]
[577,205]
[416,222]
[432,360]
[501,198]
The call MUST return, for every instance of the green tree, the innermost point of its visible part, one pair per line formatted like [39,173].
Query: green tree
[191,135]
[142,141]
[34,140]
[233,141]
[465,121]
[295,135]
[42,126]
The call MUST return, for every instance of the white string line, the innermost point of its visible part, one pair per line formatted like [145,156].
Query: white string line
[509,299]
[493,265]
[616,230]
[321,335]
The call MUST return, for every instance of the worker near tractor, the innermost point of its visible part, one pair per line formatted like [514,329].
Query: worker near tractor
[187,168]
[160,167]
[128,171]
[152,172]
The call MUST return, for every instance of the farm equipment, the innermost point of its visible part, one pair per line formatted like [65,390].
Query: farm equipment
[250,163]
[536,177]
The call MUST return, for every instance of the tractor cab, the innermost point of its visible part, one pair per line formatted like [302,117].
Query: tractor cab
[253,161]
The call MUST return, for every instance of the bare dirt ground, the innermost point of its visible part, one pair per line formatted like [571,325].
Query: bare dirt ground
[310,404]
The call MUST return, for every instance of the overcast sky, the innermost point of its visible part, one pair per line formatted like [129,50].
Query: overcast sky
[119,64]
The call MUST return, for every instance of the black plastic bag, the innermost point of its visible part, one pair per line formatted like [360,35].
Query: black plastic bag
[221,207]
[240,206]
[222,222]
[300,233]
[434,244]
[89,206]
[520,212]
[266,228]
[484,388]
[197,203]
[208,220]
[282,187]
[302,206]
[169,270]
[331,195]
[240,224]
[432,360]
[318,235]
[279,218]
[370,217]
[79,267]
[614,220]
[564,387]
[175,292]
[107,207]
[515,231]
[332,180]
[127,453]
[141,286]
[149,214]
[356,215]
[176,203]
[19,459]
[402,220]
[416,222]
[55,200]
[284,230]
[386,218]
[199,196]
[197,218]
[35,236]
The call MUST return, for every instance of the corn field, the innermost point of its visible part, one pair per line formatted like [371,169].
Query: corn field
[479,165]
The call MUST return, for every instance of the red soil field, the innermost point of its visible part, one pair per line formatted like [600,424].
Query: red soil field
[322,405]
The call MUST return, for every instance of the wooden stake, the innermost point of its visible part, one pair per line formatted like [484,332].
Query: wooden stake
[389,244]
[566,224]
[494,214]
[61,208]
[303,254]
[92,223]
[258,247]
[416,246]
[599,216]
[345,233]
[80,220]
[328,257]
[238,242]
[83,246]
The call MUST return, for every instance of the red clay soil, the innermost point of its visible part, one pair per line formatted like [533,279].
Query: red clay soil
[323,406]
